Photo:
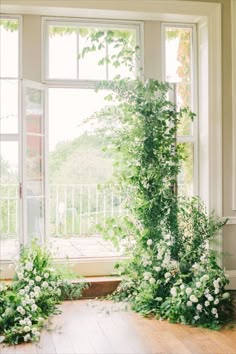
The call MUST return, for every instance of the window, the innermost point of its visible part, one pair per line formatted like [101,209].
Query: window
[67,41]
[9,135]
[180,61]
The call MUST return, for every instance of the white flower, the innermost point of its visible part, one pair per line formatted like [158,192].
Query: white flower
[46,275]
[205,277]
[26,288]
[206,291]
[24,302]
[34,307]
[195,266]
[38,278]
[216,302]
[32,294]
[21,310]
[29,266]
[214,311]
[193,298]
[157,269]
[189,303]
[188,291]
[31,301]
[217,290]
[216,284]
[198,284]
[206,303]
[167,275]
[36,289]
[152,281]
[45,284]
[20,276]
[147,275]
[173,291]
[28,322]
[22,292]
[31,282]
[196,317]
[22,322]
[199,307]
[26,328]
[226,295]
[149,242]
[27,337]
[210,298]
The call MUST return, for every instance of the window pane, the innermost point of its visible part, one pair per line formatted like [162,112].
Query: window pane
[122,65]
[62,52]
[8,106]
[185,178]
[9,191]
[34,111]
[9,35]
[89,68]
[34,163]
[35,217]
[178,54]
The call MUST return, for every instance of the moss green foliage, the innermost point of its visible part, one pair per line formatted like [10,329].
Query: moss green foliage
[33,296]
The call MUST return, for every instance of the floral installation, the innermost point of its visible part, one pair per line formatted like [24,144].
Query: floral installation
[32,297]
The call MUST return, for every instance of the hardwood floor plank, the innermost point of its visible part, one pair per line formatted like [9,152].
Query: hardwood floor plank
[101,327]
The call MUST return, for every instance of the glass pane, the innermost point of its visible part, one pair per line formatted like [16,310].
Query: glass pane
[185,178]
[8,106]
[178,54]
[184,99]
[35,188]
[9,190]
[9,35]
[78,171]
[89,68]
[34,111]
[62,52]
[34,157]
[35,217]
[119,66]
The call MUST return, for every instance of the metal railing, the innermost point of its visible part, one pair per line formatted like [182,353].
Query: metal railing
[75,209]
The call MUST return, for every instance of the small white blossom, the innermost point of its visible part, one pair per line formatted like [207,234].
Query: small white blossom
[27,337]
[149,242]
[216,302]
[193,298]
[32,294]
[38,278]
[198,284]
[214,310]
[26,328]
[22,292]
[45,284]
[217,290]
[196,317]
[173,291]
[210,298]
[157,269]
[195,266]
[188,291]
[31,282]
[182,286]
[152,281]
[226,295]
[199,307]
[147,275]
[34,307]
[20,310]
[189,303]
[167,275]
[22,322]
[26,288]
[29,266]
[46,275]
[205,277]
[206,303]
[20,276]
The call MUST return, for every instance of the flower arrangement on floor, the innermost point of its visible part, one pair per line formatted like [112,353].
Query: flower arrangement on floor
[32,297]
[171,271]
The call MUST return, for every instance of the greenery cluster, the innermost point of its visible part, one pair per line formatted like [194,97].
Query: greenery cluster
[171,271]
[32,296]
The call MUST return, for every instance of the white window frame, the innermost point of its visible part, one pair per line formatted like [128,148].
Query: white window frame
[194,86]
[106,24]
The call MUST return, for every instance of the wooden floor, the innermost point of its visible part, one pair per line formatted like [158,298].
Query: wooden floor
[101,327]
